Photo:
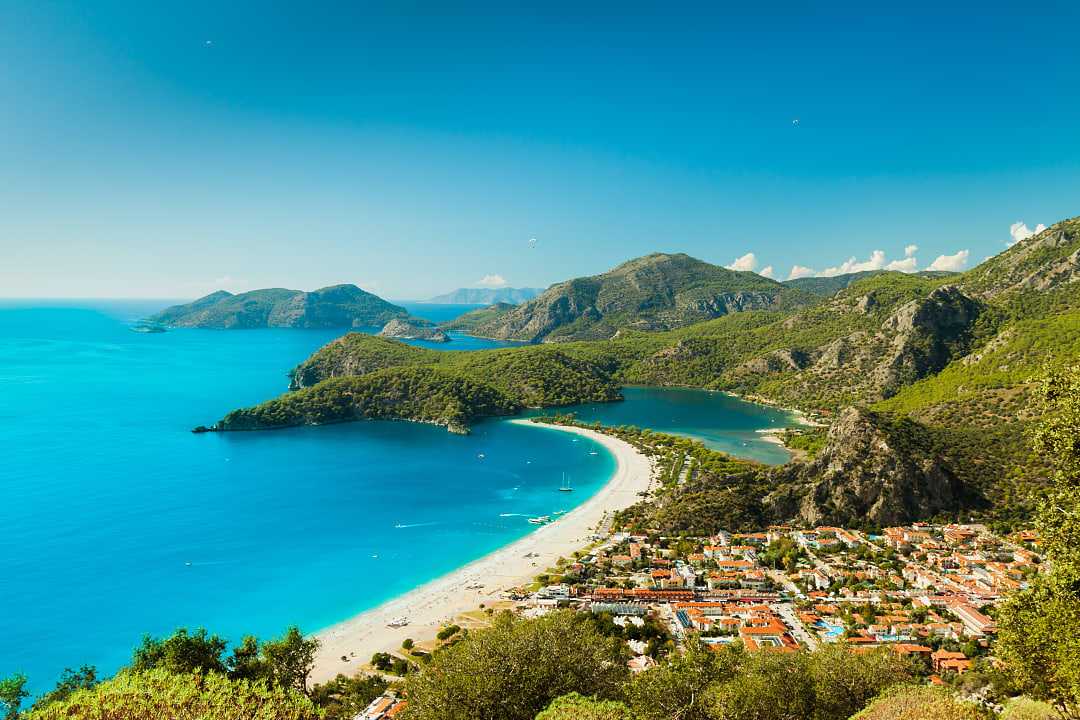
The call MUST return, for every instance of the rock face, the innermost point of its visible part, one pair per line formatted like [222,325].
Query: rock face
[413,329]
[655,292]
[337,306]
[870,472]
[926,334]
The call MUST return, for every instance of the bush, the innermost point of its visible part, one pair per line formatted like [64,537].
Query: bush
[161,695]
[515,668]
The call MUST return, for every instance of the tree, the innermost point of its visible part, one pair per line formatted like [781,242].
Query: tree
[12,692]
[70,682]
[343,698]
[290,659]
[159,694]
[247,662]
[1039,628]
[908,702]
[579,707]
[515,668]
[182,652]
[844,682]
[769,686]
[678,688]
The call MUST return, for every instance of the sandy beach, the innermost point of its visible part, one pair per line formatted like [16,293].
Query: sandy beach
[435,603]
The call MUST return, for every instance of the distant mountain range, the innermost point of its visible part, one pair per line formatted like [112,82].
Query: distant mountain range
[337,306]
[829,286]
[656,292]
[486,296]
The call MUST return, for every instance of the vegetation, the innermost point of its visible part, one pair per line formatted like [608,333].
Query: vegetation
[162,695]
[658,291]
[920,703]
[330,307]
[578,707]
[1039,628]
[516,668]
[452,389]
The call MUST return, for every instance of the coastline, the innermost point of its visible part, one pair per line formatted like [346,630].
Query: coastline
[439,601]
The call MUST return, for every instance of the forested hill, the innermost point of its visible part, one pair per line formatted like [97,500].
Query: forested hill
[337,306]
[655,292]
[929,376]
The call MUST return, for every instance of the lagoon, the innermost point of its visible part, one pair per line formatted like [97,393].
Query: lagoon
[118,521]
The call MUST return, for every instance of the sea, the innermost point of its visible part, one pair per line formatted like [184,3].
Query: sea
[117,521]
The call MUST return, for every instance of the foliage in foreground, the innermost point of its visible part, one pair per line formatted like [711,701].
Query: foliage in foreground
[733,684]
[578,707]
[1039,628]
[920,703]
[515,668]
[163,695]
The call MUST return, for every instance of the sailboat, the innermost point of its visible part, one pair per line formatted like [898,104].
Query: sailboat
[565,487]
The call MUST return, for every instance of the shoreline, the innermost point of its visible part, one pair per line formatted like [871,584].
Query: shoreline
[437,602]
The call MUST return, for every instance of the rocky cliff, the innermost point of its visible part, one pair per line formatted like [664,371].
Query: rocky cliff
[872,470]
[413,329]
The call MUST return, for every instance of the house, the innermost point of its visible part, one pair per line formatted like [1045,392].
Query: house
[949,661]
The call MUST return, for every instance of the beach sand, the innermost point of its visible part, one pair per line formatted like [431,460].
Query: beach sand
[439,601]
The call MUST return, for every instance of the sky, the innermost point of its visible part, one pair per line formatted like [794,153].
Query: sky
[169,149]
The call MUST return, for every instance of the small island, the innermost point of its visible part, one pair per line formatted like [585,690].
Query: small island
[413,329]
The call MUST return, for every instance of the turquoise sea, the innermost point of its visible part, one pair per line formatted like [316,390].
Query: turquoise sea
[117,521]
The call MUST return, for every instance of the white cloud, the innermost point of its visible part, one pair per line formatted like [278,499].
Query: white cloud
[746,262]
[876,261]
[492,281]
[1020,231]
[907,265]
[910,250]
[766,271]
[800,271]
[953,263]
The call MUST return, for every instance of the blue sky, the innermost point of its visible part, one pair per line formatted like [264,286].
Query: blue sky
[169,149]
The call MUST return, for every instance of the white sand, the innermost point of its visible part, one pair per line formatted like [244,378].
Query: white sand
[435,603]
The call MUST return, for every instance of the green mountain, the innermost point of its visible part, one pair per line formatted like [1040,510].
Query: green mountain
[922,382]
[829,286]
[361,376]
[471,320]
[486,296]
[336,306]
[655,292]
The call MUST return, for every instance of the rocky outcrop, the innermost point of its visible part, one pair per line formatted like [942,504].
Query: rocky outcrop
[926,335]
[873,470]
[413,329]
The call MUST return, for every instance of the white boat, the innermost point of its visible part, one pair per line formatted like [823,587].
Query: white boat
[565,487]
[540,520]
[398,622]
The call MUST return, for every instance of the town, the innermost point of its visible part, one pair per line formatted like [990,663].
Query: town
[923,591]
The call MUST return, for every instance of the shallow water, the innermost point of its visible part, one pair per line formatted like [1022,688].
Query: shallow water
[117,521]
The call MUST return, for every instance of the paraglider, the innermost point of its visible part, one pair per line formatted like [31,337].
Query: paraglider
[532,243]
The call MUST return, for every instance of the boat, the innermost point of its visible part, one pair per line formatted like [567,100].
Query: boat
[565,487]
[398,622]
[540,520]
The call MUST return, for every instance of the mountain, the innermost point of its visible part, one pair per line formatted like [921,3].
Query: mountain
[829,286]
[923,383]
[469,321]
[341,306]
[486,296]
[361,376]
[655,292]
